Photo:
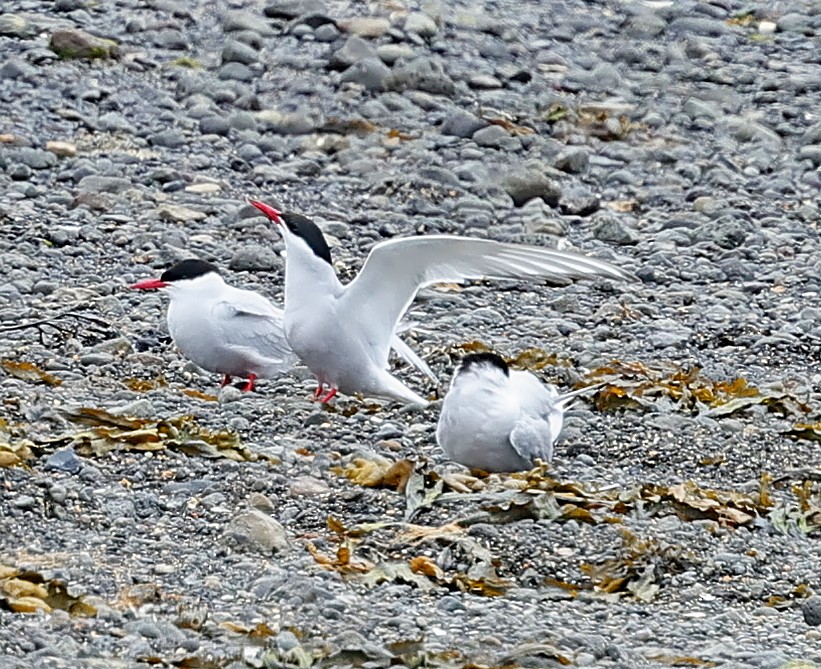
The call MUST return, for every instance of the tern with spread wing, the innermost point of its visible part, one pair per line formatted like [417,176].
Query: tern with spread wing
[498,419]
[229,330]
[221,328]
[343,333]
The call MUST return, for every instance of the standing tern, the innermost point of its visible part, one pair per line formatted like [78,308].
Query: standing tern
[232,331]
[497,419]
[221,328]
[343,333]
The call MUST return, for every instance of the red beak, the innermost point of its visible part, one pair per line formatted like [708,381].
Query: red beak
[270,212]
[149,284]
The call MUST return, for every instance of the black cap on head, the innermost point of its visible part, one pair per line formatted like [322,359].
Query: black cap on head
[476,359]
[188,269]
[304,227]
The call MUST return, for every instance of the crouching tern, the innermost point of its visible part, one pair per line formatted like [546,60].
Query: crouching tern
[229,330]
[500,420]
[343,333]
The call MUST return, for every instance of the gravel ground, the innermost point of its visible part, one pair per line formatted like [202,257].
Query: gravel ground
[680,140]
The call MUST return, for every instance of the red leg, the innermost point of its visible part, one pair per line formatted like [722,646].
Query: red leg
[225,380]
[318,391]
[327,396]
[249,386]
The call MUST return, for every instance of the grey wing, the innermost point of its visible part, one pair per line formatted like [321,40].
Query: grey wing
[254,324]
[533,438]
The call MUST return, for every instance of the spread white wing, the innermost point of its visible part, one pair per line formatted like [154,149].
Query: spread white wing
[396,269]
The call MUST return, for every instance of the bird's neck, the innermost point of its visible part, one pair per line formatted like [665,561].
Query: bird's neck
[307,278]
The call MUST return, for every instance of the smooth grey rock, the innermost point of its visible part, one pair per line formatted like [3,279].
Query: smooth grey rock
[14,68]
[371,74]
[15,25]
[72,43]
[103,184]
[573,160]
[63,460]
[422,74]
[256,530]
[421,24]
[490,135]
[529,181]
[391,53]
[610,228]
[811,609]
[236,72]
[354,50]
[644,25]
[238,52]
[255,257]
[365,26]
[236,21]
[36,159]
[215,125]
[461,123]
[170,38]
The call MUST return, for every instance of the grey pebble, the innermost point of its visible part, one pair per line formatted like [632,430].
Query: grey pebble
[258,531]
[64,460]
[254,257]
[811,608]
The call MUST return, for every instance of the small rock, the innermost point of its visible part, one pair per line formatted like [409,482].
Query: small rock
[371,74]
[205,188]
[96,359]
[573,160]
[811,609]
[36,159]
[795,22]
[530,181]
[461,123]
[307,486]
[610,228]
[490,136]
[141,408]
[214,125]
[578,202]
[62,149]
[237,52]
[15,68]
[354,50]
[256,530]
[538,218]
[327,32]
[291,9]
[170,38]
[262,503]
[422,74]
[421,24]
[484,82]
[390,53]
[255,257]
[100,184]
[288,123]
[64,460]
[236,72]
[236,21]
[15,25]
[72,43]
[176,213]
[24,502]
[365,26]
